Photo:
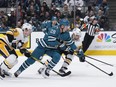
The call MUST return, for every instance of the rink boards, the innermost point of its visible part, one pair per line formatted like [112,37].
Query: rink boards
[104,43]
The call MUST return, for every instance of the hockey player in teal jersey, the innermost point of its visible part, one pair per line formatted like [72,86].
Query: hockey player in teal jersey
[68,52]
[49,45]
[50,23]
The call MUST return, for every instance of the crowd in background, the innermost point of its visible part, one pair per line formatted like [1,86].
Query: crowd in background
[37,11]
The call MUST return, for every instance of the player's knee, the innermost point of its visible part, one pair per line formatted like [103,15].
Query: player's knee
[69,56]
[30,61]
[11,60]
[56,57]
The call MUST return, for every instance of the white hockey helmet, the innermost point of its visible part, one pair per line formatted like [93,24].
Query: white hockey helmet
[76,34]
[77,31]
[27,28]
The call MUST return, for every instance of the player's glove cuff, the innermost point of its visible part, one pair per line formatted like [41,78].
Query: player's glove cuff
[81,55]
[25,52]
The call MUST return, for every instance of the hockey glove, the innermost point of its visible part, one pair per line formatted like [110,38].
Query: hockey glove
[81,55]
[14,45]
[25,52]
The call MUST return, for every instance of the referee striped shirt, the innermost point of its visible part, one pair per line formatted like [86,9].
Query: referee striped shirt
[91,29]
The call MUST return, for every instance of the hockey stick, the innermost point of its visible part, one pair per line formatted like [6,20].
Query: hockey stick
[1,78]
[62,75]
[110,74]
[99,61]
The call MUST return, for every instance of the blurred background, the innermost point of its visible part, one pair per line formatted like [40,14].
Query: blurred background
[13,13]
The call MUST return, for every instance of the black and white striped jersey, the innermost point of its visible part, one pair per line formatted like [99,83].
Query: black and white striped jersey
[91,29]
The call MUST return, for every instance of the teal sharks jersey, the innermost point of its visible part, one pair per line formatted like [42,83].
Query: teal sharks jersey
[50,39]
[48,24]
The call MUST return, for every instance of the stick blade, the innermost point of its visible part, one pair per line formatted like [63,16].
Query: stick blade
[1,78]
[65,74]
[111,74]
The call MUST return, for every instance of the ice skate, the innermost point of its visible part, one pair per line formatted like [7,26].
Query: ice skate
[2,73]
[17,73]
[7,73]
[46,72]
[62,70]
[41,69]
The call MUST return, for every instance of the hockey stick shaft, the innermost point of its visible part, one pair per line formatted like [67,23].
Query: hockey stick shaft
[99,61]
[1,78]
[110,74]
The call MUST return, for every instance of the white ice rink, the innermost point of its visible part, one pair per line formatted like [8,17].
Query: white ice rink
[83,75]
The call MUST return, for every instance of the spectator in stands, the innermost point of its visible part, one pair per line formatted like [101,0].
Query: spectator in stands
[42,14]
[47,16]
[105,7]
[12,3]
[66,11]
[33,6]
[78,22]
[31,11]
[19,12]
[37,8]
[99,14]
[60,3]
[3,3]
[12,18]
[95,8]
[3,27]
[77,12]
[53,1]
[104,23]
[91,2]
[78,3]
[38,11]
[4,20]
[113,27]
[2,16]
[45,6]
[20,22]
[38,3]
[99,2]
[59,15]
[53,11]
[90,8]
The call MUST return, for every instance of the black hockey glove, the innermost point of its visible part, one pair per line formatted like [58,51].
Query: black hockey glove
[14,45]
[81,55]
[25,52]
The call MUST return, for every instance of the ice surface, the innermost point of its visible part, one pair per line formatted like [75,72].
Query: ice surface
[83,75]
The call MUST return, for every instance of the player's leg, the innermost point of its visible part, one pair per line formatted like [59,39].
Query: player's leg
[8,64]
[66,63]
[42,68]
[2,73]
[37,53]
[90,39]
[84,42]
[10,58]
[55,59]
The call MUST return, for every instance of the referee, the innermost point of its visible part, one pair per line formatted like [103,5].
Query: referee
[92,29]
